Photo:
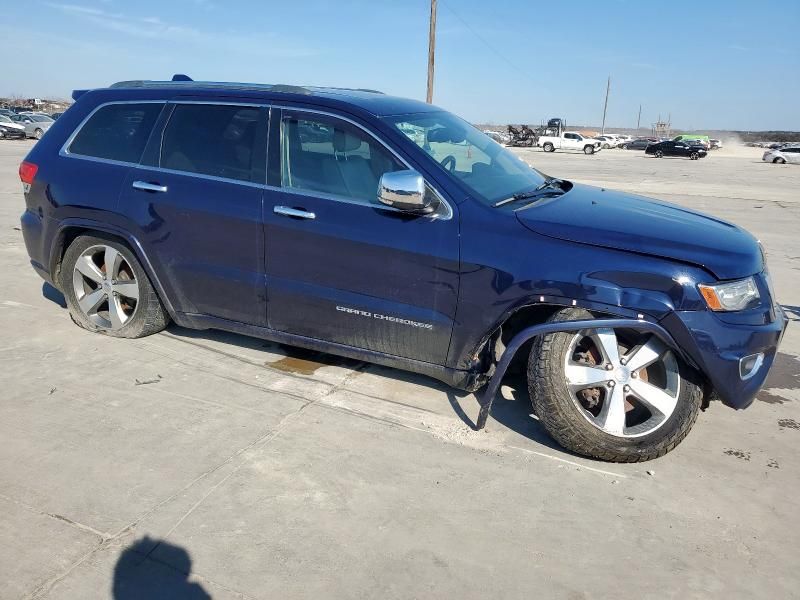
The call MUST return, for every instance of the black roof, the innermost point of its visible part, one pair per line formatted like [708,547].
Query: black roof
[371,100]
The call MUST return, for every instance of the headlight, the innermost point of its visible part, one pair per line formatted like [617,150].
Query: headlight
[735,295]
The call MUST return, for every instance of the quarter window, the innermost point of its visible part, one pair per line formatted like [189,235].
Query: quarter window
[332,157]
[117,132]
[217,140]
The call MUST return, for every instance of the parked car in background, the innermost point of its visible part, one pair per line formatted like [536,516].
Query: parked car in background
[8,121]
[691,137]
[715,144]
[497,136]
[607,142]
[7,112]
[569,140]
[672,148]
[10,130]
[788,154]
[640,144]
[35,125]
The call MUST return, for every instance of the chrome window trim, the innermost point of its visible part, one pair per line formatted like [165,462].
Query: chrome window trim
[64,151]
[200,175]
[448,213]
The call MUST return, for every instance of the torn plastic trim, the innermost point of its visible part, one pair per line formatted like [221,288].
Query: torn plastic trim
[561,327]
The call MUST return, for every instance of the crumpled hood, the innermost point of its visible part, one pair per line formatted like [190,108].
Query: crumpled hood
[610,219]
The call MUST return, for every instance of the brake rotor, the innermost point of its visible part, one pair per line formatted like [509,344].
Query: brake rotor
[591,396]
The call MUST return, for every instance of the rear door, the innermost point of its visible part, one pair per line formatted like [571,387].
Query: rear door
[342,267]
[681,149]
[195,204]
[792,154]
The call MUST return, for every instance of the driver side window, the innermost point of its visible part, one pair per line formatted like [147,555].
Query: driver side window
[333,157]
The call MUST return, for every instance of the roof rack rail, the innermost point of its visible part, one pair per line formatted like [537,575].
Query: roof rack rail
[349,89]
[224,85]
[179,80]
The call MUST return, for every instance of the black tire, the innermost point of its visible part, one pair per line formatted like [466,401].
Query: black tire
[658,154]
[148,317]
[694,156]
[561,417]
[548,147]
[606,146]
[38,134]
[779,161]
[624,147]
[588,150]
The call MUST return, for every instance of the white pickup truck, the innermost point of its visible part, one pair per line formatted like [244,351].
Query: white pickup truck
[569,140]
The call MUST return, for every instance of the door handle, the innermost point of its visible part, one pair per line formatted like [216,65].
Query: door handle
[149,187]
[297,213]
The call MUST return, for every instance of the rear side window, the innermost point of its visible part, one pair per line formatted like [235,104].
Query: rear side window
[217,140]
[117,132]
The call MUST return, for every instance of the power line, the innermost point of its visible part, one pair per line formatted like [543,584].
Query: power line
[488,45]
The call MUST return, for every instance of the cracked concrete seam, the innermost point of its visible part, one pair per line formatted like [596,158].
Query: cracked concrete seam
[260,442]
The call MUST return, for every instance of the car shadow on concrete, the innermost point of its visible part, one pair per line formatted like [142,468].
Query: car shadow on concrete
[793,312]
[156,570]
[52,294]
[514,413]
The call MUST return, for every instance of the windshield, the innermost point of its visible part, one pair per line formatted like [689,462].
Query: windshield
[490,171]
[5,119]
[40,118]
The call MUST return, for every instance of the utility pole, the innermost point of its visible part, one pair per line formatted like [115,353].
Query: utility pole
[639,119]
[605,106]
[431,50]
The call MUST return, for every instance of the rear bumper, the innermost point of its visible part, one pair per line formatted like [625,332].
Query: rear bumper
[33,233]
[717,348]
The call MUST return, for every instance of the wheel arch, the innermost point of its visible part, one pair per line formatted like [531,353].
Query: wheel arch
[492,344]
[71,229]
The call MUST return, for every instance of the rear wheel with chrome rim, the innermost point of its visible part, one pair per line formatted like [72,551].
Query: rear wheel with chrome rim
[616,395]
[108,291]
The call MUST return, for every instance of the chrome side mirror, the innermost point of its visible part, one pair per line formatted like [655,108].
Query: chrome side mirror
[404,190]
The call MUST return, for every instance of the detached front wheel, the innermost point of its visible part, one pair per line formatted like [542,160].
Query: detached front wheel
[616,395]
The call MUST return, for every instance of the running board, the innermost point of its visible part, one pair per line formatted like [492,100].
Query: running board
[558,327]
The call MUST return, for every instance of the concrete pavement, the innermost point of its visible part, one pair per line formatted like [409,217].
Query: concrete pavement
[196,464]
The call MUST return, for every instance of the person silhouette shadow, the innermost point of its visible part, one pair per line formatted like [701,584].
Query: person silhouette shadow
[142,572]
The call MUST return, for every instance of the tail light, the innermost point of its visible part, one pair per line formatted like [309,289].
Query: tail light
[27,172]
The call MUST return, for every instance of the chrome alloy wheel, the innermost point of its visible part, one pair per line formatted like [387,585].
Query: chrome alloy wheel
[105,286]
[625,386]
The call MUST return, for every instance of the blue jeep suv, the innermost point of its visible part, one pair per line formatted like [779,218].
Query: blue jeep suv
[392,231]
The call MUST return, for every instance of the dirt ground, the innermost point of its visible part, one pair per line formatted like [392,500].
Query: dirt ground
[194,464]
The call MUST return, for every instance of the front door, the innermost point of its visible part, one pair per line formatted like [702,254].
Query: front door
[197,209]
[342,267]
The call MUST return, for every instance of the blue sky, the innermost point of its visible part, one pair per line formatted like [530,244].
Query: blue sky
[711,64]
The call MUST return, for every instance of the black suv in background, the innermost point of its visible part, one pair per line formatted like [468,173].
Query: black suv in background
[671,148]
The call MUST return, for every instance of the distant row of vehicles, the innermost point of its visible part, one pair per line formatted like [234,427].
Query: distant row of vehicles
[27,124]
